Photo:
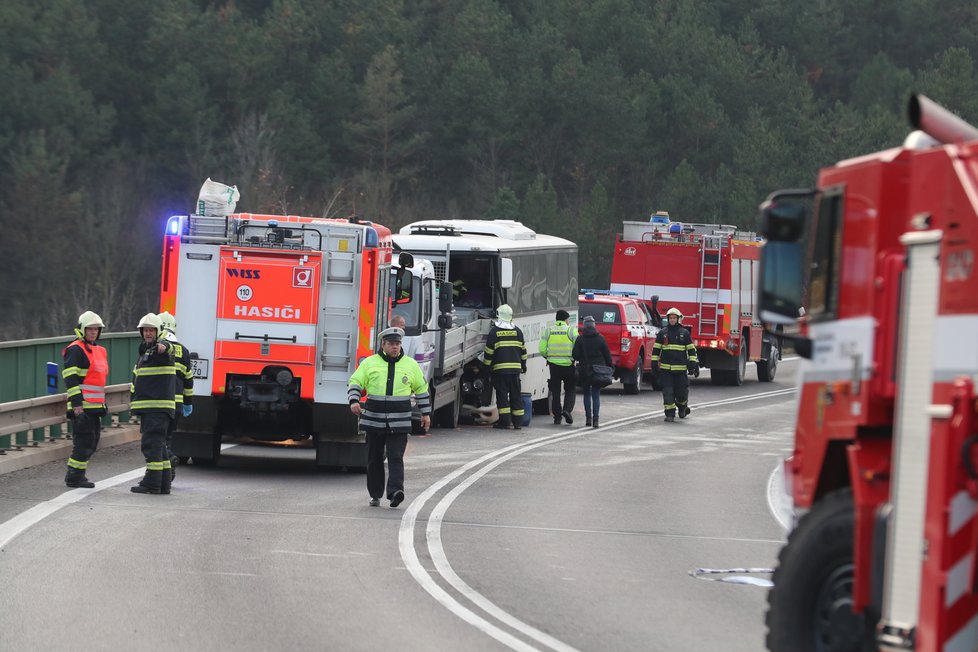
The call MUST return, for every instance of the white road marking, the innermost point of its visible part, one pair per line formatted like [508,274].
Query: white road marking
[409,553]
[12,528]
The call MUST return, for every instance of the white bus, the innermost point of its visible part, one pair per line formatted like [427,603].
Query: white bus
[492,262]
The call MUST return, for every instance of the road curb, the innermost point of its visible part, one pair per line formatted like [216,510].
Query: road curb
[14,460]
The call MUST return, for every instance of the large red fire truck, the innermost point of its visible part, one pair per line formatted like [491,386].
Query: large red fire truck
[710,273]
[278,311]
[879,276]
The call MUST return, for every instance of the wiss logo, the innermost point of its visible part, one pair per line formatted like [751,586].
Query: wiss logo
[244,273]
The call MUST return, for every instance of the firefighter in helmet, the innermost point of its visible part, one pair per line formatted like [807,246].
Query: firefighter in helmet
[153,383]
[673,357]
[86,370]
[184,391]
[505,355]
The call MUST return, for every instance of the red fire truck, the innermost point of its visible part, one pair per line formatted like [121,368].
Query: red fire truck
[876,266]
[278,311]
[709,272]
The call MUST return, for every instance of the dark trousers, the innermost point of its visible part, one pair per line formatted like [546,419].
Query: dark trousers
[86,430]
[153,427]
[508,399]
[392,444]
[592,401]
[675,390]
[562,376]
[168,442]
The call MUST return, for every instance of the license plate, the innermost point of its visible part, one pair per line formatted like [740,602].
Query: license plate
[199,367]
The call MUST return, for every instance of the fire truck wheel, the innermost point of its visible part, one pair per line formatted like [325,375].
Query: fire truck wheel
[736,376]
[810,605]
[766,369]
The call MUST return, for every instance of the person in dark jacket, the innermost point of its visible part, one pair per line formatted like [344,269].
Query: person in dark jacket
[590,348]
[153,387]
[505,354]
[184,390]
[673,357]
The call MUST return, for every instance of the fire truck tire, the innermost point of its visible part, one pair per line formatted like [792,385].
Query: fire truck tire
[810,605]
[736,376]
[635,378]
[766,369]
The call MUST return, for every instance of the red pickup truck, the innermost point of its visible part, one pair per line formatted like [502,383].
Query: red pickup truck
[629,327]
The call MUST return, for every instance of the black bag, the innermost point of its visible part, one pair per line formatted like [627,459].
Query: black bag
[601,375]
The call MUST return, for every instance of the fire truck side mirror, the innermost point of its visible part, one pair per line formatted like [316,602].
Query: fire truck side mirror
[405,260]
[784,215]
[782,287]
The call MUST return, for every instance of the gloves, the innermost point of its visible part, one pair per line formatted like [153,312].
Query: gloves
[655,368]
[523,368]
[693,369]
[187,410]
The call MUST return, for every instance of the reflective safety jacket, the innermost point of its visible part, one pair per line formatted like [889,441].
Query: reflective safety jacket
[557,344]
[86,370]
[505,349]
[388,384]
[674,349]
[153,380]
[184,392]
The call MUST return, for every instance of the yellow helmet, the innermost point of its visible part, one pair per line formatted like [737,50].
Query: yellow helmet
[86,320]
[674,311]
[169,321]
[149,320]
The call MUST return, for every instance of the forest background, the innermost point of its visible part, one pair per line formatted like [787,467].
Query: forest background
[569,115]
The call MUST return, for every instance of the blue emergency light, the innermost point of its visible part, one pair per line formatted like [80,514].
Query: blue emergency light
[173,225]
[52,374]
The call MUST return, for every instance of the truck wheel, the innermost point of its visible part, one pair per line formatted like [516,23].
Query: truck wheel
[447,415]
[635,376]
[215,456]
[810,605]
[736,376]
[766,369]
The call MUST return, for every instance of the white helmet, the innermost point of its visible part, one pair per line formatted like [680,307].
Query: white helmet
[169,321]
[504,312]
[674,311]
[86,320]
[149,320]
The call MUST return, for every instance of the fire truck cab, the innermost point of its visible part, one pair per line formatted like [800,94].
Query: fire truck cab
[874,271]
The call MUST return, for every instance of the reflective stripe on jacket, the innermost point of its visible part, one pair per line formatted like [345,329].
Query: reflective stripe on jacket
[184,392]
[674,349]
[388,384]
[153,380]
[505,349]
[85,373]
[557,344]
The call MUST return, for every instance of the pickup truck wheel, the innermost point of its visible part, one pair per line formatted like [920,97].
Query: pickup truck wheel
[810,605]
[766,369]
[636,375]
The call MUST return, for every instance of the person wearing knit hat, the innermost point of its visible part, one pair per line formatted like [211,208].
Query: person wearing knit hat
[556,346]
[591,349]
[505,355]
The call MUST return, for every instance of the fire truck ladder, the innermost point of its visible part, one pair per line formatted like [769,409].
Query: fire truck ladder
[709,289]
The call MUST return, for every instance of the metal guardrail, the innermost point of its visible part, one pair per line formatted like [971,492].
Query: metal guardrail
[19,418]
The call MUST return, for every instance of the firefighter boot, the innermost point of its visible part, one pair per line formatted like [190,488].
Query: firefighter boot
[166,478]
[517,421]
[150,484]
[503,423]
[683,410]
[174,463]
[75,478]
[670,416]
